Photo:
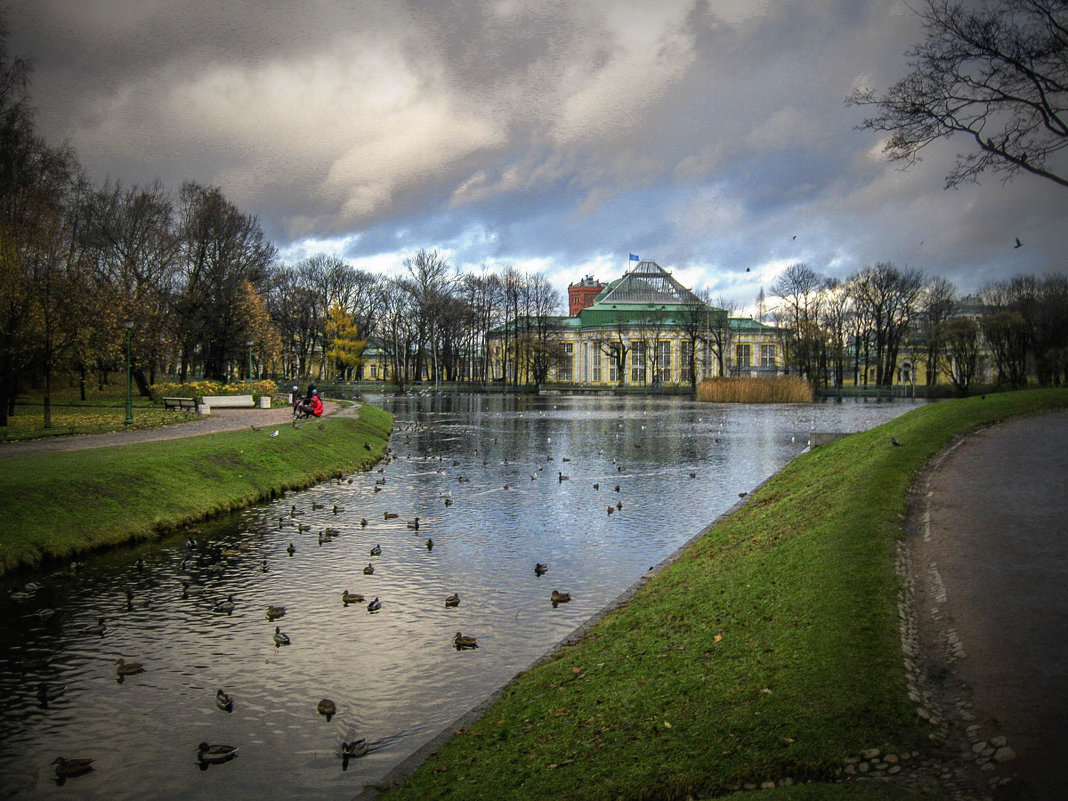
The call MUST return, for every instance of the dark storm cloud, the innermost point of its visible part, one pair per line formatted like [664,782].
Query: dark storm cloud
[558,136]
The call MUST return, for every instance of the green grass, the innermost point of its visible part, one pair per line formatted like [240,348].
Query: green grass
[56,505]
[769,649]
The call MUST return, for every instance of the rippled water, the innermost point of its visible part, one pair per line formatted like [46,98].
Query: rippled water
[394,675]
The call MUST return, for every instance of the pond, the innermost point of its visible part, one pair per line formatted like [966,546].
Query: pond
[598,489]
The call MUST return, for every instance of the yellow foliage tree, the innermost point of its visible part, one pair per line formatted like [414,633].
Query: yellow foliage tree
[344,346]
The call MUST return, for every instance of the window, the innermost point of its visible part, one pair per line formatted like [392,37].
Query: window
[637,362]
[566,368]
[613,363]
[743,356]
[767,355]
[374,371]
[596,359]
[687,361]
[663,362]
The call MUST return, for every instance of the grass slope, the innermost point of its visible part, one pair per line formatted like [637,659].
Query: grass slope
[769,649]
[56,505]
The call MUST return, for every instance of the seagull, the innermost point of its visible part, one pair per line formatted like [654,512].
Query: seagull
[275,434]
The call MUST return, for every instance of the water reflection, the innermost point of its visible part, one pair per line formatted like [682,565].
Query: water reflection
[596,490]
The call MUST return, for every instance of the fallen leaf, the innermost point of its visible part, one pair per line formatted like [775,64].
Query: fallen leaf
[718,637]
[667,725]
[576,670]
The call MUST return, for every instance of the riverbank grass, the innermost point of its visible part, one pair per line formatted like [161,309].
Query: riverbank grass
[60,504]
[768,650]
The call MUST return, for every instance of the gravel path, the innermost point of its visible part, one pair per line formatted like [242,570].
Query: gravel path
[218,420]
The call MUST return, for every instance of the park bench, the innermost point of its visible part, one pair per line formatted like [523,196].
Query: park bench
[179,403]
[227,401]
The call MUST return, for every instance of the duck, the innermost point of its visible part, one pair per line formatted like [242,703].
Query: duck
[560,597]
[369,570]
[357,748]
[351,598]
[274,612]
[376,551]
[190,543]
[453,600]
[448,501]
[390,515]
[429,544]
[185,589]
[413,524]
[215,753]
[280,637]
[265,568]
[98,629]
[224,701]
[303,526]
[596,486]
[323,538]
[375,605]
[337,509]
[291,549]
[363,522]
[67,768]
[124,668]
[226,606]
[332,532]
[461,642]
[611,510]
[294,511]
[327,708]
[540,569]
[316,505]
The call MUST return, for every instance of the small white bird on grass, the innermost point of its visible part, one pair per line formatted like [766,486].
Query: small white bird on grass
[275,434]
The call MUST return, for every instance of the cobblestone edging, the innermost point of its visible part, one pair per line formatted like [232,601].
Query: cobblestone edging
[967,760]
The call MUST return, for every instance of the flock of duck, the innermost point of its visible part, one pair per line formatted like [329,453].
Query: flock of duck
[211,558]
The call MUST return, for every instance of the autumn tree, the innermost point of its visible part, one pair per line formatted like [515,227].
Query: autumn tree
[344,345]
[995,73]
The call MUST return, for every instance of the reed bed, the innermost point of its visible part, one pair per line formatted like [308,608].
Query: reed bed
[781,389]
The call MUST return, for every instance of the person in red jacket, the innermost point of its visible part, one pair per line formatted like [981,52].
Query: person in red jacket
[316,404]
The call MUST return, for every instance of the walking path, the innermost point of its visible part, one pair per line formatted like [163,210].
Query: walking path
[218,420]
[989,553]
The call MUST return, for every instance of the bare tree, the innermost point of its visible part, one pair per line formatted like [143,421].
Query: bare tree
[937,305]
[799,289]
[960,336]
[888,298]
[997,74]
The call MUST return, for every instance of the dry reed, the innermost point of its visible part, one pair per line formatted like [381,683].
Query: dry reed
[781,389]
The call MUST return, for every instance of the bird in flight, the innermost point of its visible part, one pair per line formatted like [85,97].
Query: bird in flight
[1018,243]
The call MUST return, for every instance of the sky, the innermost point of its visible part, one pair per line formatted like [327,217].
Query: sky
[711,136]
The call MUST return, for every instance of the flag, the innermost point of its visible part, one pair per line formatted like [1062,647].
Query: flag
[634,258]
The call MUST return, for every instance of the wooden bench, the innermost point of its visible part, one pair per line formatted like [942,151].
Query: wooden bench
[179,403]
[227,401]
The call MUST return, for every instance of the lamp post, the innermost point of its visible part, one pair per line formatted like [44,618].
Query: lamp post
[249,343]
[128,325]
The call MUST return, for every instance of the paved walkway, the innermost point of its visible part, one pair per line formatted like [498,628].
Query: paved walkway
[991,567]
[218,420]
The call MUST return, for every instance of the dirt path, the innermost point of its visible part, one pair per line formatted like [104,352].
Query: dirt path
[218,420]
[990,561]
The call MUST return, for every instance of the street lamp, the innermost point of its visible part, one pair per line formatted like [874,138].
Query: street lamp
[128,325]
[249,343]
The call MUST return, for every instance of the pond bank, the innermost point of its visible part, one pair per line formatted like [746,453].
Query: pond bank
[737,665]
[62,503]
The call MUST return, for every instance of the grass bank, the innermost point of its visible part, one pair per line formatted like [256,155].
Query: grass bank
[781,389]
[56,505]
[768,649]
